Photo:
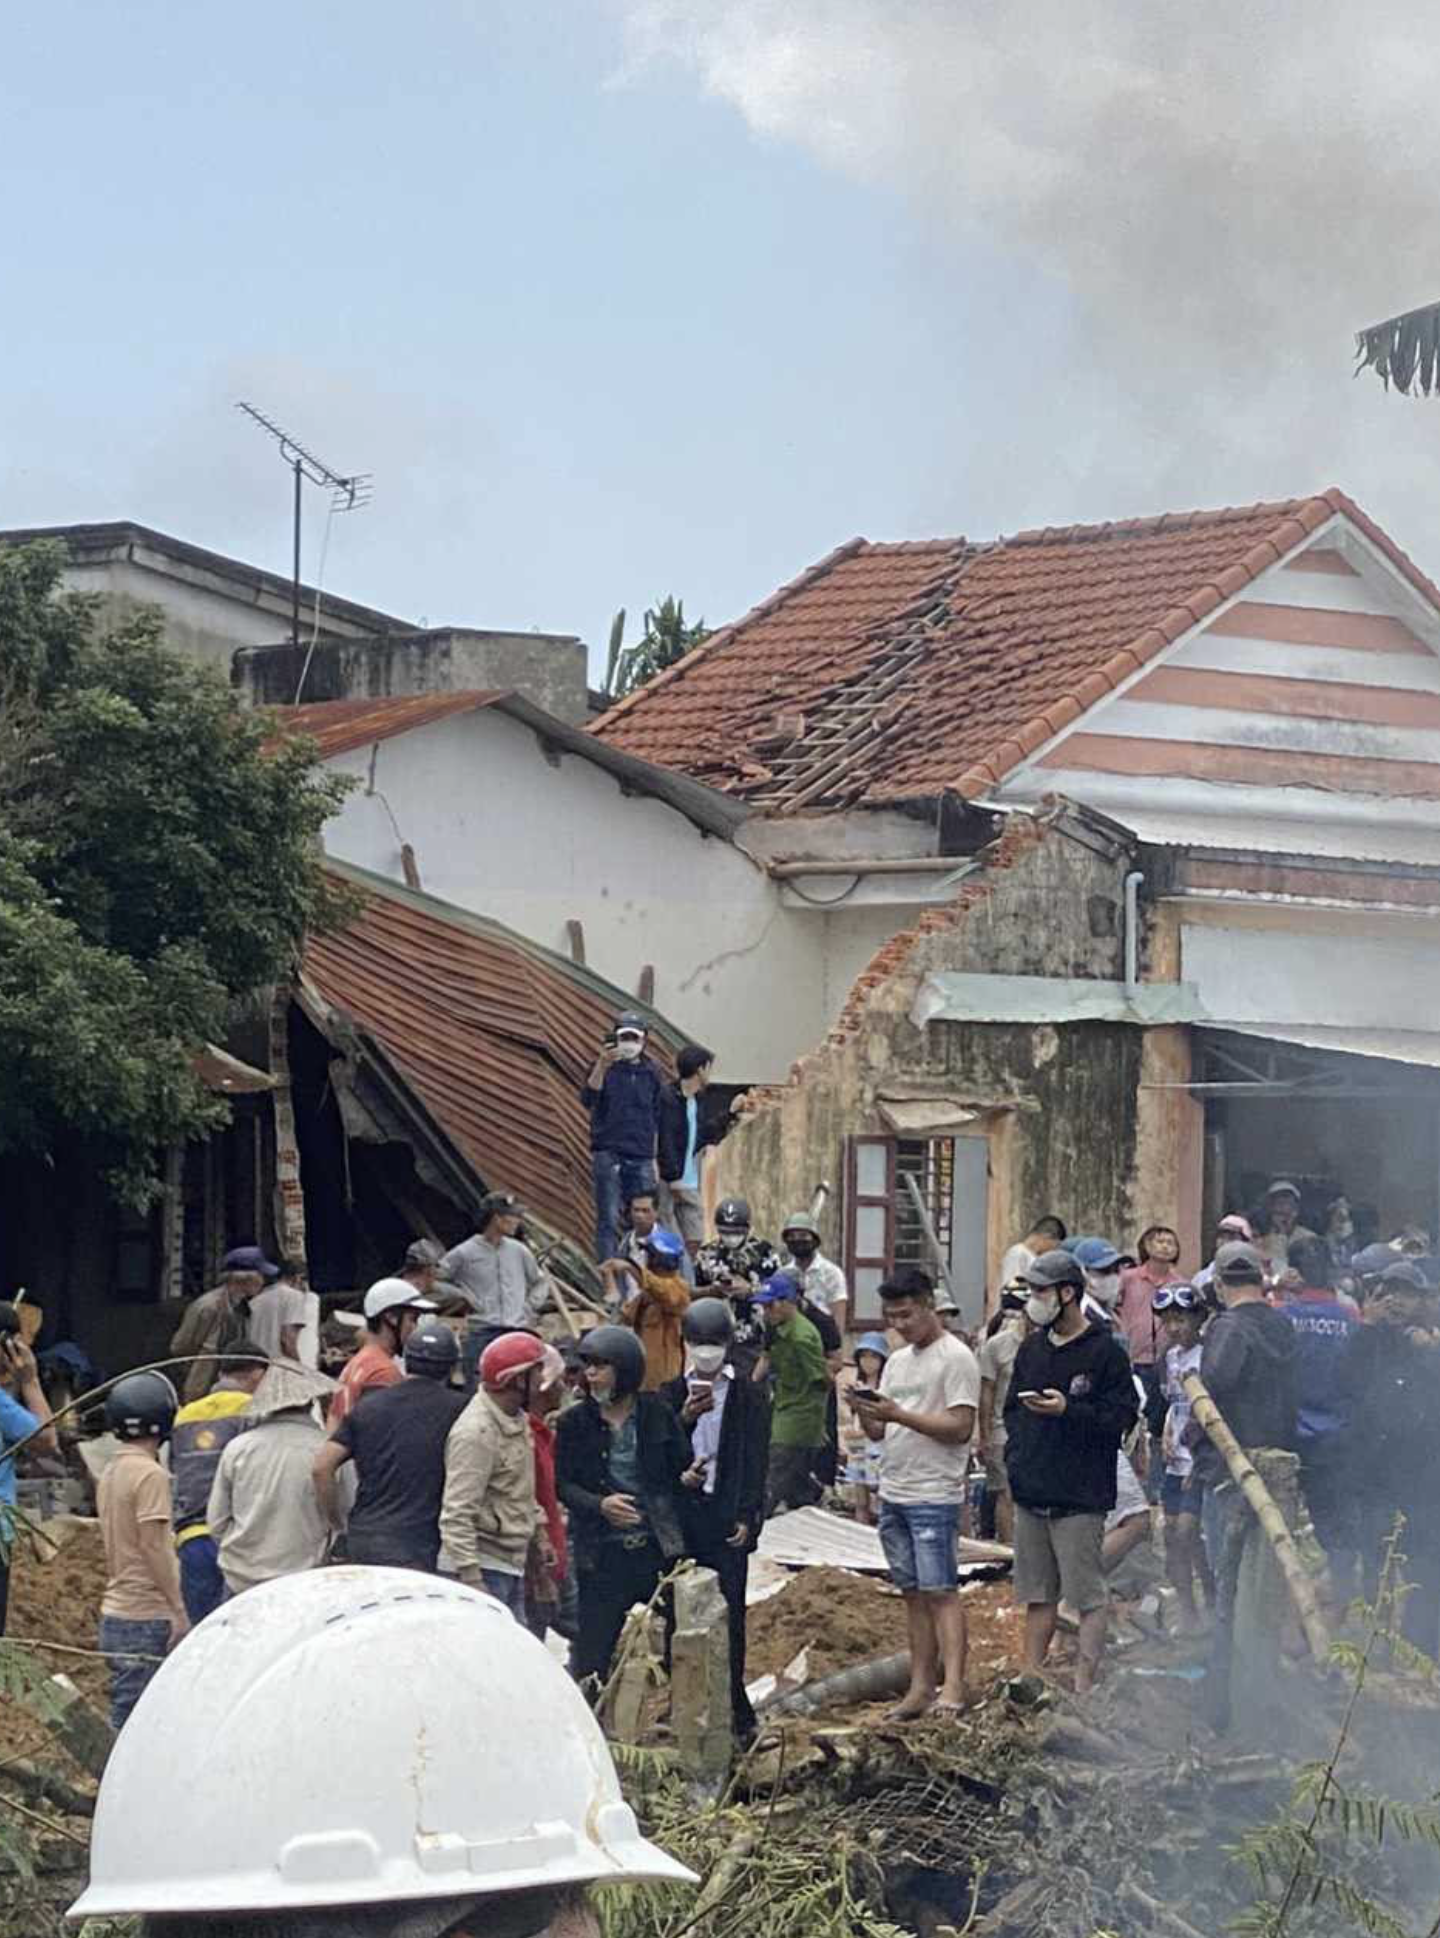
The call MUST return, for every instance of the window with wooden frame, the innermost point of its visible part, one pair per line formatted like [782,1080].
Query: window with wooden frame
[884,1176]
[869,1220]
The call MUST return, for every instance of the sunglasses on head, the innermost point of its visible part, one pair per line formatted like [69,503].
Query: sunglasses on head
[1176,1298]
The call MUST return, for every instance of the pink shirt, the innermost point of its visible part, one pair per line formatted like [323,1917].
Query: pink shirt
[1141,1328]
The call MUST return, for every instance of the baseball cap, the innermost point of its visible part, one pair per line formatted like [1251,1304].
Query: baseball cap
[1055,1268]
[1095,1254]
[1233,1221]
[1374,1260]
[424,1251]
[250,1258]
[389,1295]
[781,1286]
[1282,1186]
[1240,1263]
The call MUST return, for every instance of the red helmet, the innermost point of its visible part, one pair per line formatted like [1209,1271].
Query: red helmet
[509,1357]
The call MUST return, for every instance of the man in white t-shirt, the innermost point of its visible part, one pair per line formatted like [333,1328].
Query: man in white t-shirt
[277,1318]
[925,1415]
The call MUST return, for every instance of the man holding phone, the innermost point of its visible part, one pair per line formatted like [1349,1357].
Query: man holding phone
[623,1094]
[1071,1403]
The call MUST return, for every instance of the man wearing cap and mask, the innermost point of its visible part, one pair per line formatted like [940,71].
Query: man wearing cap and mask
[624,1094]
[1282,1227]
[218,1320]
[477,1800]
[820,1278]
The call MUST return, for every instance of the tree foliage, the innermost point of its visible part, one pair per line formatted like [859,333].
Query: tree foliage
[667,637]
[157,861]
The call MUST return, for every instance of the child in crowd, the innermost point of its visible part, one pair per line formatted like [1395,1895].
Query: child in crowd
[142,1613]
[1180,1311]
[862,1455]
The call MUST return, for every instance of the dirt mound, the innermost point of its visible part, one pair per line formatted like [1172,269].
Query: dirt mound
[844,1619]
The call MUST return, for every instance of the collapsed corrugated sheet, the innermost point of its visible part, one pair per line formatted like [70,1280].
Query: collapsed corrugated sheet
[493,1033]
[810,1537]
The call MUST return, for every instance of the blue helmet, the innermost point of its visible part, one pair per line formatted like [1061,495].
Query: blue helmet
[666,1245]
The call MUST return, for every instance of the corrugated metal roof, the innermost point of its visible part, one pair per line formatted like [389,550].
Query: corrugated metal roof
[493,1033]
[1395,1046]
[340,726]
[1353,840]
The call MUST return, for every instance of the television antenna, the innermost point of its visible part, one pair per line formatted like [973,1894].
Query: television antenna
[346,494]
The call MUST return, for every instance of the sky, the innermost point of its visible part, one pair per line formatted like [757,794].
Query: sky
[624,298]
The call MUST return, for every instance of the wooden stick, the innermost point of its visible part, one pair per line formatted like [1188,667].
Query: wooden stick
[1297,1578]
[571,1322]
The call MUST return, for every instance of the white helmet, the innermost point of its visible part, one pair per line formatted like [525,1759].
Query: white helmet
[262,1769]
[386,1294]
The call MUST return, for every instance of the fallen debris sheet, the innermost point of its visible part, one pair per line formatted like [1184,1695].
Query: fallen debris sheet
[812,1537]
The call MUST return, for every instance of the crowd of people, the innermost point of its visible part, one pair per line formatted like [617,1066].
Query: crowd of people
[716,1382]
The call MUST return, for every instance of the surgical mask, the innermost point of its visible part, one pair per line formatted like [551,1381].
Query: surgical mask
[629,1047]
[1042,1308]
[1104,1288]
[705,1360]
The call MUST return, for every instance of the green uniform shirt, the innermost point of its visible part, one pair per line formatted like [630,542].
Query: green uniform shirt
[802,1384]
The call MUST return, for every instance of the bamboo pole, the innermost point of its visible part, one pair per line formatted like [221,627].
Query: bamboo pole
[1297,1578]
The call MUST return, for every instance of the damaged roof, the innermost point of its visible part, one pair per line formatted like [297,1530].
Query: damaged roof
[492,1033]
[894,672]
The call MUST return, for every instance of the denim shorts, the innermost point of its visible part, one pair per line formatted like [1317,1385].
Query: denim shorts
[920,1544]
[1181,1494]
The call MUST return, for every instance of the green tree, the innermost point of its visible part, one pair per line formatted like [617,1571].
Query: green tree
[158,859]
[667,638]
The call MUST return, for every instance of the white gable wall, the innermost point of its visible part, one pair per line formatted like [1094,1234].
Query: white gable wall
[534,842]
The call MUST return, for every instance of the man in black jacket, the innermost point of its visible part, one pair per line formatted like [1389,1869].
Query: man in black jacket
[684,1133]
[1248,1367]
[1071,1402]
[727,1421]
[619,1458]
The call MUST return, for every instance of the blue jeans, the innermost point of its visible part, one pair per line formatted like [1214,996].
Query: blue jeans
[509,1589]
[616,1179]
[135,1651]
[920,1545]
[201,1582]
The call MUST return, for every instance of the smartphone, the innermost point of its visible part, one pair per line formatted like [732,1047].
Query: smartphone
[863,1393]
[1029,1393]
[701,1389]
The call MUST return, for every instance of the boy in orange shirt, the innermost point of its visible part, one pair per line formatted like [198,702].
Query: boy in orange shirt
[657,1311]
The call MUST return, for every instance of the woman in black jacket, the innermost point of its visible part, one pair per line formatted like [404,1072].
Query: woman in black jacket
[726,1419]
[619,1458]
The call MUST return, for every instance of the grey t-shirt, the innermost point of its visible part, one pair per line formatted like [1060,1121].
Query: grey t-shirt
[278,1306]
[915,1470]
[498,1280]
[997,1363]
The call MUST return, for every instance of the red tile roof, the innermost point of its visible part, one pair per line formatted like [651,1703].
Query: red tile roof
[898,671]
[493,1034]
[340,726]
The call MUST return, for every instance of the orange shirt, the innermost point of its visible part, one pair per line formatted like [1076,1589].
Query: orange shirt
[657,1312]
[371,1366]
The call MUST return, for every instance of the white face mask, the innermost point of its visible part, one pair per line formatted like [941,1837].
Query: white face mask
[629,1047]
[1042,1308]
[705,1359]
[1104,1288]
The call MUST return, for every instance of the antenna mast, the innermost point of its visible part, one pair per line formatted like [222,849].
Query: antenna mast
[346,494]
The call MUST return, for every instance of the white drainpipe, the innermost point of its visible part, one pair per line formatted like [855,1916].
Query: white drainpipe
[1132,935]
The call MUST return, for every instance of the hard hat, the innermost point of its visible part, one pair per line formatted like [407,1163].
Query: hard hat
[388,1295]
[432,1349]
[802,1221]
[618,1347]
[708,1322]
[732,1212]
[873,1342]
[482,1770]
[139,1405]
[510,1357]
[1054,1268]
[666,1244]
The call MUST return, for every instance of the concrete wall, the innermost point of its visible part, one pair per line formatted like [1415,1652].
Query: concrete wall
[537,841]
[1059,1105]
[548,668]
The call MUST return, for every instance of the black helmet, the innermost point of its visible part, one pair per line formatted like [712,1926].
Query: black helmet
[432,1349]
[616,1346]
[10,1318]
[708,1322]
[733,1212]
[139,1405]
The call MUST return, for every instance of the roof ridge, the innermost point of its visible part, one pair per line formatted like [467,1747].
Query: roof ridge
[1165,521]
[723,634]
